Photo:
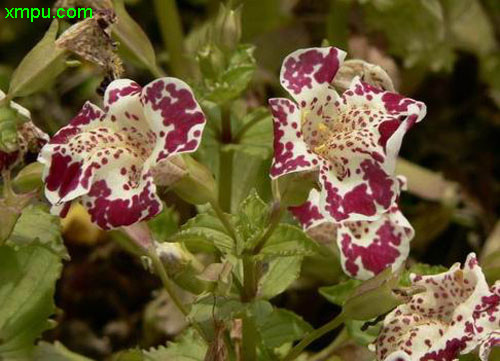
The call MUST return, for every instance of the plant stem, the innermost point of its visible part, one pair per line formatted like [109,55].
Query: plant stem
[172,34]
[249,339]
[275,218]
[225,161]
[224,219]
[312,336]
[247,127]
[332,347]
[169,287]
[250,280]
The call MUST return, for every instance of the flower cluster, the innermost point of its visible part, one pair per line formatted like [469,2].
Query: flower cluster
[352,140]
[456,314]
[111,160]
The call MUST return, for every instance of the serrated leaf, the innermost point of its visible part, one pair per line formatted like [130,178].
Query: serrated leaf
[189,347]
[164,224]
[236,77]
[283,326]
[338,294]
[27,283]
[40,66]
[45,351]
[37,226]
[288,240]
[282,272]
[252,217]
[204,233]
[133,40]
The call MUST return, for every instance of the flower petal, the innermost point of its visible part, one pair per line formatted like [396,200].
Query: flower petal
[308,213]
[492,340]
[369,247]
[378,120]
[356,189]
[174,115]
[306,71]
[291,153]
[442,322]
[122,193]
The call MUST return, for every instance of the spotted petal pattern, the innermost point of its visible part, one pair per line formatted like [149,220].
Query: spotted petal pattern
[353,139]
[108,159]
[456,314]
[366,247]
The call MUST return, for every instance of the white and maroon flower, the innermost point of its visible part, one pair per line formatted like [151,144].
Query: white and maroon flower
[353,139]
[30,139]
[457,314]
[366,247]
[109,160]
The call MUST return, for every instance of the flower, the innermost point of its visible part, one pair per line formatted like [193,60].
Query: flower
[353,139]
[108,159]
[366,247]
[28,138]
[457,314]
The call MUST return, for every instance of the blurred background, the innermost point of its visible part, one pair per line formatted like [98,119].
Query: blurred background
[443,52]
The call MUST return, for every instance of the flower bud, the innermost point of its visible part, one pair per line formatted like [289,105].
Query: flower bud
[227,28]
[377,296]
[211,60]
[198,185]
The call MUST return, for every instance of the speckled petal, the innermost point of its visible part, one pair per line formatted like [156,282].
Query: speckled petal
[308,213]
[291,153]
[356,189]
[122,193]
[375,121]
[369,247]
[174,115]
[492,340]
[442,322]
[305,72]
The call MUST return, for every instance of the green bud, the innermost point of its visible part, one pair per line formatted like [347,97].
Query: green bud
[294,188]
[377,296]
[227,28]
[198,185]
[29,178]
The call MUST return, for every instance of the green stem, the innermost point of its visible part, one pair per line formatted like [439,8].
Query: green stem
[224,219]
[225,161]
[169,287]
[249,339]
[312,336]
[275,218]
[250,280]
[172,34]
[328,351]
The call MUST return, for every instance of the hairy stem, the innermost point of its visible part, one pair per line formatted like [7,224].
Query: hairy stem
[312,336]
[172,34]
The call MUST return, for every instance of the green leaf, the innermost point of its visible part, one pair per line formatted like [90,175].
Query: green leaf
[133,41]
[282,272]
[37,226]
[338,294]
[56,352]
[40,66]
[204,233]
[252,217]
[27,283]
[289,240]
[255,134]
[235,78]
[189,347]
[283,326]
[165,224]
